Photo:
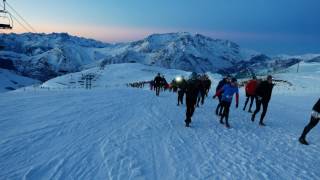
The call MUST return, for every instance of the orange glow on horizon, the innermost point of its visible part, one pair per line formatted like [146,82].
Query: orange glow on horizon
[102,33]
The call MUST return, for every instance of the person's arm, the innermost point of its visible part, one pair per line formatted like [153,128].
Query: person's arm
[219,92]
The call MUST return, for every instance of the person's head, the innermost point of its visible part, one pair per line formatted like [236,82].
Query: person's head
[193,75]
[158,74]
[234,82]
[228,78]
[254,77]
[269,79]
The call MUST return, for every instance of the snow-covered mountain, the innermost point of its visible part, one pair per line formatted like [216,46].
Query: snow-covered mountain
[45,56]
[181,51]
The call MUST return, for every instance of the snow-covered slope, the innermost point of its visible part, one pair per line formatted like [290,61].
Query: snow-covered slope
[126,133]
[304,57]
[306,80]
[10,81]
[117,75]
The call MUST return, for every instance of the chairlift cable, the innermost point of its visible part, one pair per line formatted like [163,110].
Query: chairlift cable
[25,21]
[16,19]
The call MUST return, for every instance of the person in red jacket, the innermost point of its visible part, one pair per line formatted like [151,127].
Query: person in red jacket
[250,92]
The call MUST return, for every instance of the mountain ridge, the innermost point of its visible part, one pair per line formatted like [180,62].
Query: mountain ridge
[45,56]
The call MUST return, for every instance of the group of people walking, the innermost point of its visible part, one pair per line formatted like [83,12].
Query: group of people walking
[139,84]
[158,84]
[196,88]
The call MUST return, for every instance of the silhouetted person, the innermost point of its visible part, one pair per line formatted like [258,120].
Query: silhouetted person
[157,83]
[202,91]
[192,91]
[263,93]
[207,84]
[181,90]
[314,120]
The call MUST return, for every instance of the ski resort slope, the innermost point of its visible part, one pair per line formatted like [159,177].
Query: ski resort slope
[126,133]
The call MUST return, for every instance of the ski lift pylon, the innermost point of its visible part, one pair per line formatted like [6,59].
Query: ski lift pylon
[6,21]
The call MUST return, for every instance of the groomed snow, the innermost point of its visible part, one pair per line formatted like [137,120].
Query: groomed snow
[127,133]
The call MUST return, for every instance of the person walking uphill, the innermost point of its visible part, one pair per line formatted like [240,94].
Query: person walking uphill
[224,81]
[250,92]
[181,84]
[192,90]
[315,118]
[228,91]
[263,93]
[157,83]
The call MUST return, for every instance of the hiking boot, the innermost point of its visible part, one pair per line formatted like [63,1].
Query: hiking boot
[227,126]
[252,118]
[262,124]
[303,141]
[221,122]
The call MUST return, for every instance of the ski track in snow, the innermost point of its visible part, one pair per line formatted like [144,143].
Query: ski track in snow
[132,134]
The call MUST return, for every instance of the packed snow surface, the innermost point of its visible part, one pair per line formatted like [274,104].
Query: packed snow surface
[116,132]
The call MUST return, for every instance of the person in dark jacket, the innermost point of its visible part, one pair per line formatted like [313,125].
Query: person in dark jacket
[314,120]
[202,91]
[263,93]
[157,83]
[192,90]
[181,85]
[221,83]
[207,84]
[228,91]
[164,84]
[250,92]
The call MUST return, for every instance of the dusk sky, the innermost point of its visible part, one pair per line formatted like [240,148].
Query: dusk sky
[269,26]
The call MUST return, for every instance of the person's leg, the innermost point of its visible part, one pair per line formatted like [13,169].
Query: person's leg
[223,113]
[313,122]
[264,111]
[226,113]
[178,99]
[221,108]
[188,115]
[218,109]
[258,106]
[198,100]
[202,97]
[245,104]
[182,94]
[251,102]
